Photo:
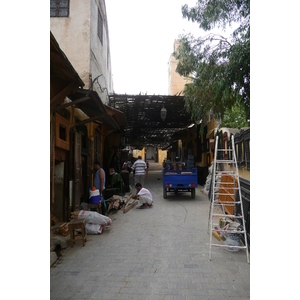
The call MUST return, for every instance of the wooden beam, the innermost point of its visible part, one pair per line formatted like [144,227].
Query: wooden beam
[62,94]
[128,198]
[130,206]
[98,118]
[70,103]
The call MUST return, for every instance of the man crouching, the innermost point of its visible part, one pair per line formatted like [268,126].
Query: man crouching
[144,196]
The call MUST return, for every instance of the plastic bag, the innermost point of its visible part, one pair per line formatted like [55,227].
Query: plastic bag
[93,228]
[94,218]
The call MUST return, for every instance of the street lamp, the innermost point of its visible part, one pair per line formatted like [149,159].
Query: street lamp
[163,113]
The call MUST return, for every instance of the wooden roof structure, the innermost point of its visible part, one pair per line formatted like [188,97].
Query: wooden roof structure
[145,126]
[65,82]
[63,77]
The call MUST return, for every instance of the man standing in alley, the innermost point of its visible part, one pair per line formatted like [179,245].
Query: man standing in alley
[99,181]
[144,196]
[140,171]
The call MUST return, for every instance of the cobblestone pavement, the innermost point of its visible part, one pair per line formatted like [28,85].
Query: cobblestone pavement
[156,253]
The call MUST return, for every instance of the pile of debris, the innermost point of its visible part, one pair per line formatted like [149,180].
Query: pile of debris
[117,202]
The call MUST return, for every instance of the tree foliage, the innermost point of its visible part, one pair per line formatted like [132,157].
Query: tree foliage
[235,117]
[219,67]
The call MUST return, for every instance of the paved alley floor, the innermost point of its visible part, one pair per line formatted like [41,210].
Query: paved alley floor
[156,253]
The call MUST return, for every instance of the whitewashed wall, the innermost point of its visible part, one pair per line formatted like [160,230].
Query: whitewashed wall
[77,36]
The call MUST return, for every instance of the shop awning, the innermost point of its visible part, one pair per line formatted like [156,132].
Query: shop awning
[63,77]
[117,115]
[60,65]
[90,103]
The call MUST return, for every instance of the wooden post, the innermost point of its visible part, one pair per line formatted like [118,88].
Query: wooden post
[52,161]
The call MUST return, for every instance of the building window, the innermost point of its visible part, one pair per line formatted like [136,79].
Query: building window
[59,8]
[100,27]
[62,132]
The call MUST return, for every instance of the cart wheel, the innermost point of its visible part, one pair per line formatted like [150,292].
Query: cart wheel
[165,193]
[193,193]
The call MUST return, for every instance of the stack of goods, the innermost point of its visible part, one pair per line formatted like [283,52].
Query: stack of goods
[228,232]
[95,222]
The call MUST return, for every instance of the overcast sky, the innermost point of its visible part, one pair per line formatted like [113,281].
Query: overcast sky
[142,35]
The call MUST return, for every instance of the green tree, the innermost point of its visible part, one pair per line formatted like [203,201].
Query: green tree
[219,67]
[235,117]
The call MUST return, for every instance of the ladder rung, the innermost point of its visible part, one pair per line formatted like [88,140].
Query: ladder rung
[226,183]
[228,246]
[221,194]
[229,230]
[225,161]
[227,204]
[225,194]
[225,173]
[228,216]
[224,201]
[225,187]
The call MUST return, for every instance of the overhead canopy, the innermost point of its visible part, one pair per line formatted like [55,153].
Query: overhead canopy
[90,103]
[60,65]
[63,77]
[117,115]
[145,126]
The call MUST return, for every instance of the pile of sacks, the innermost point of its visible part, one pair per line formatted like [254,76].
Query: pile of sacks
[94,222]
[208,181]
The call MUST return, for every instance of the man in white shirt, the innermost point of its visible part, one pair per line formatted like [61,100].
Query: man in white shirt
[140,171]
[144,196]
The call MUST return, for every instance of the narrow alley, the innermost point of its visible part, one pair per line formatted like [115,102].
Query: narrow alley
[156,253]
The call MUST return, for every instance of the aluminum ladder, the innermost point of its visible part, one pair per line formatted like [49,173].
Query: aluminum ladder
[220,169]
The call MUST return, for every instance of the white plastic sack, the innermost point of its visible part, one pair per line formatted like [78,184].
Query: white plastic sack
[205,191]
[94,218]
[93,228]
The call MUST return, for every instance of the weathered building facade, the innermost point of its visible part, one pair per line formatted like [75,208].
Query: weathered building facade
[89,128]
[82,31]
